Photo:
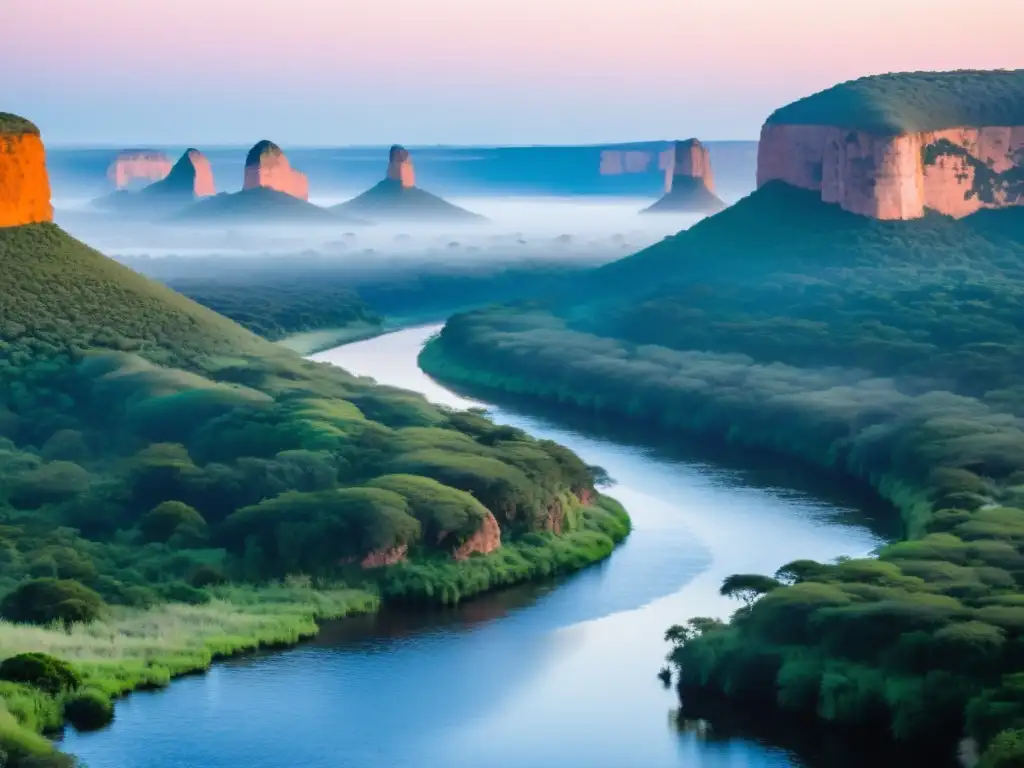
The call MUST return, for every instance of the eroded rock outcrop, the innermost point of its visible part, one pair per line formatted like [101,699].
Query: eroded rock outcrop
[267,166]
[192,174]
[400,167]
[955,171]
[134,166]
[689,182]
[486,539]
[894,146]
[24,183]
[381,557]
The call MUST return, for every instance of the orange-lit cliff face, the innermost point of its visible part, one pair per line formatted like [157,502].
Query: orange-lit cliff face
[400,167]
[196,172]
[138,165]
[24,183]
[955,171]
[267,166]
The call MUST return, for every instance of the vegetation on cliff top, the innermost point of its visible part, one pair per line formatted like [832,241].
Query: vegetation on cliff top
[888,350]
[914,101]
[15,124]
[152,451]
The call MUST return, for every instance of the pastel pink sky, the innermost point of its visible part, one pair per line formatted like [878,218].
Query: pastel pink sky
[329,72]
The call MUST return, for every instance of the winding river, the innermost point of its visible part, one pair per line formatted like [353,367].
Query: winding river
[541,677]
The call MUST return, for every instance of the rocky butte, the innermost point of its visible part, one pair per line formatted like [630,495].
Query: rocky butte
[24,183]
[397,198]
[266,166]
[138,165]
[190,176]
[400,167]
[893,146]
[689,183]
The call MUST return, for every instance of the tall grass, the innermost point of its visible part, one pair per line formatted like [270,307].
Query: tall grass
[132,648]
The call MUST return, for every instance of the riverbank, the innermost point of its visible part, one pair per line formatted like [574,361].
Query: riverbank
[914,642]
[138,649]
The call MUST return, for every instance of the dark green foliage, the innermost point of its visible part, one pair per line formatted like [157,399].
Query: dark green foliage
[40,671]
[1005,751]
[279,309]
[14,124]
[914,101]
[140,430]
[173,519]
[41,601]
[89,709]
[747,586]
[889,351]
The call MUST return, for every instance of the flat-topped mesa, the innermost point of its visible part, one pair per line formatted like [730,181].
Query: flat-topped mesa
[24,182]
[192,174]
[894,146]
[400,167]
[690,160]
[133,166]
[267,166]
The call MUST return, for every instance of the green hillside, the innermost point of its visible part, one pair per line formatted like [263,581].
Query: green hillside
[914,101]
[167,474]
[889,351]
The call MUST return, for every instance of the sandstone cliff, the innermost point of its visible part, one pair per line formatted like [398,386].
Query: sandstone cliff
[400,167]
[267,166]
[486,539]
[24,183]
[689,182]
[899,166]
[131,166]
[192,174]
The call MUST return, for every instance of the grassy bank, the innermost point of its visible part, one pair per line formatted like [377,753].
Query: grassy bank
[597,529]
[131,649]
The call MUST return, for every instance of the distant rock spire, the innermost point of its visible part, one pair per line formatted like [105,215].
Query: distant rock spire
[400,167]
[267,166]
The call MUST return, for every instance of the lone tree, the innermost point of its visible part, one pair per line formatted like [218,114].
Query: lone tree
[43,601]
[747,587]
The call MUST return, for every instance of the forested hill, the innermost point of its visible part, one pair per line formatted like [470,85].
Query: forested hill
[153,452]
[890,351]
[906,102]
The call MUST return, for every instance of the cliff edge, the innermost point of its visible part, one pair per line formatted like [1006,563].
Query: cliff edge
[689,182]
[267,166]
[893,146]
[24,183]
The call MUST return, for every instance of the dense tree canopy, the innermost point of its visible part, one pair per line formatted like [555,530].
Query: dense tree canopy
[891,351]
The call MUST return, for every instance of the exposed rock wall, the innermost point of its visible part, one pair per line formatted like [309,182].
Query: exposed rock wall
[193,173]
[486,539]
[138,165]
[24,183]
[267,166]
[690,160]
[400,167]
[955,171]
[382,557]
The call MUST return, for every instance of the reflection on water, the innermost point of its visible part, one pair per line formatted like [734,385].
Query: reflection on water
[535,677]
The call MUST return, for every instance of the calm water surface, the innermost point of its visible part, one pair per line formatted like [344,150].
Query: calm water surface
[542,677]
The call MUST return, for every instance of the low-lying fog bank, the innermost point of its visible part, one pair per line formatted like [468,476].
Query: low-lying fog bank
[518,229]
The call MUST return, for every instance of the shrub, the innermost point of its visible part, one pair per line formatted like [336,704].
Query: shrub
[42,601]
[89,709]
[40,671]
[206,575]
[173,518]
